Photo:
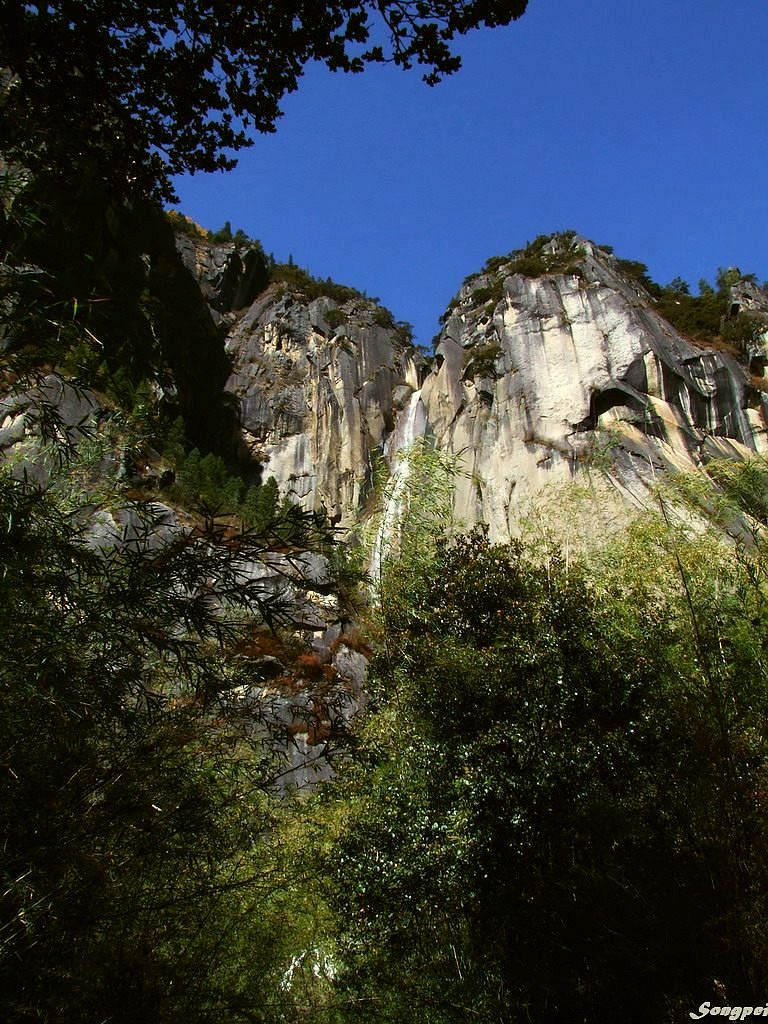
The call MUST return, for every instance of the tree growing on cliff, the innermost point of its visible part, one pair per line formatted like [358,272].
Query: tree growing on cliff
[144,91]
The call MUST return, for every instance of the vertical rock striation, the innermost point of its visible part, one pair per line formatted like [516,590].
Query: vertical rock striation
[538,377]
[319,389]
[545,366]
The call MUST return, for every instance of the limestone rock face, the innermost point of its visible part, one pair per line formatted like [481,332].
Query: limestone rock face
[544,368]
[536,378]
[318,388]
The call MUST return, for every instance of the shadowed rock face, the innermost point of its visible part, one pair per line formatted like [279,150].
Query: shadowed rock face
[535,378]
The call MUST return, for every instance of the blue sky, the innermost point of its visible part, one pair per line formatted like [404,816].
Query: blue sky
[640,125]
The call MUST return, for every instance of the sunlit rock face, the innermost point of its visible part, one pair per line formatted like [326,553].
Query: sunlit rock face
[319,388]
[558,373]
[535,380]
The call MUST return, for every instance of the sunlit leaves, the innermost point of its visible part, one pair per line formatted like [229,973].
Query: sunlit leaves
[563,764]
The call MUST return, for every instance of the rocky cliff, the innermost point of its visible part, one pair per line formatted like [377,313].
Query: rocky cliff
[538,377]
[319,371]
[545,366]
[320,387]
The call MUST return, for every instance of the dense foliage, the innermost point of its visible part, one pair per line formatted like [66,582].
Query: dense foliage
[554,808]
[203,483]
[557,810]
[135,784]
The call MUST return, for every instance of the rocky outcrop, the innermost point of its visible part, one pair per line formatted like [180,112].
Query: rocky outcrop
[319,379]
[319,388]
[229,276]
[538,378]
[545,367]
[40,422]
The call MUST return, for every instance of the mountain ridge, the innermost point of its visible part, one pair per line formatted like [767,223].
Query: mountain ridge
[546,358]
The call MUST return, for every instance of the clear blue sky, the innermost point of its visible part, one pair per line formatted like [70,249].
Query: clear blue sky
[640,125]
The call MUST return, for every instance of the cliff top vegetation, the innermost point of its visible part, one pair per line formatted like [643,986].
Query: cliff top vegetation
[706,317]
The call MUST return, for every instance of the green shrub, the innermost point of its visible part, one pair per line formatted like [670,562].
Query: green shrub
[140,822]
[383,318]
[530,266]
[638,272]
[482,359]
[698,316]
[223,235]
[260,505]
[489,294]
[742,329]
[203,483]
[312,287]
[334,318]
[554,788]
[184,225]
[404,332]
[449,310]
[495,264]
[533,261]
